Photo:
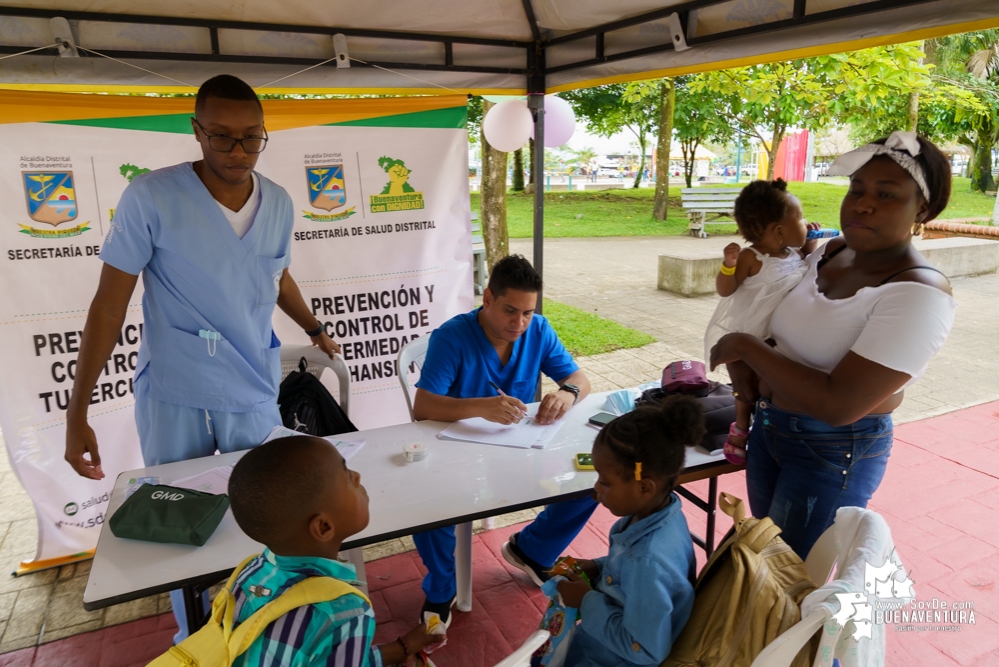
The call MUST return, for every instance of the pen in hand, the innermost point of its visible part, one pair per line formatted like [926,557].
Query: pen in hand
[500,391]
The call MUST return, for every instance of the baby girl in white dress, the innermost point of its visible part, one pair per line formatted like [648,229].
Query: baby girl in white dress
[753,280]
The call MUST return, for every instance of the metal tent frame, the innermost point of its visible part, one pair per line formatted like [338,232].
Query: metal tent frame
[534,53]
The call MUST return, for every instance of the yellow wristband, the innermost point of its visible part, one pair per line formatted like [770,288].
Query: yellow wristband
[727,270]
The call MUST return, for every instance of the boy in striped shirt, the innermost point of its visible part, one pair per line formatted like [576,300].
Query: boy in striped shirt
[297,496]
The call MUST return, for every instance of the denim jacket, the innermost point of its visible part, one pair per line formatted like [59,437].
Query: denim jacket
[643,595]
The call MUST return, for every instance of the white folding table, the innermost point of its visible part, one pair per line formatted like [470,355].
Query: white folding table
[457,483]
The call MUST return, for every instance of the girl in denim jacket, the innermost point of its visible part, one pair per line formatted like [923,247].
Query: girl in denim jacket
[643,590]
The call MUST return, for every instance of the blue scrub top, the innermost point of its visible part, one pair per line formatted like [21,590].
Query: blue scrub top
[461,361]
[199,275]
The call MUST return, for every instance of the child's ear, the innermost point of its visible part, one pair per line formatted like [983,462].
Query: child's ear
[321,527]
[649,487]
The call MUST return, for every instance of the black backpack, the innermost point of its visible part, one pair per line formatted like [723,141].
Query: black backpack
[718,406]
[308,407]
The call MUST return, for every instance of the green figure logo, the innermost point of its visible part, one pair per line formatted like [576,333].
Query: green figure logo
[398,194]
[70,509]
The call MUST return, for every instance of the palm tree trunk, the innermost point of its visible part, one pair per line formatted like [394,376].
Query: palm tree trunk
[518,170]
[492,202]
[667,102]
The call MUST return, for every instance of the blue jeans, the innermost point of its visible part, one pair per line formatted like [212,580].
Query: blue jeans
[543,542]
[800,470]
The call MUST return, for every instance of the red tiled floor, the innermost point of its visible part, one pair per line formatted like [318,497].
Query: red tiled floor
[940,497]
[21,658]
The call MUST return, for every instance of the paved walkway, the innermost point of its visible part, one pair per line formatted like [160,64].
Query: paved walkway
[616,279]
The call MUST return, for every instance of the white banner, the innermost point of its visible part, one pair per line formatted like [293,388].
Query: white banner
[381,252]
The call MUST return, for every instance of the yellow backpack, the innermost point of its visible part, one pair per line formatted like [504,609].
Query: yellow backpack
[748,593]
[218,645]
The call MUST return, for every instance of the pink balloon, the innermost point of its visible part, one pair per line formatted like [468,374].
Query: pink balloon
[560,121]
[508,125]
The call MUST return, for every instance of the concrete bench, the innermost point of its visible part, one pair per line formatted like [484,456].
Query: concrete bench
[699,203]
[692,273]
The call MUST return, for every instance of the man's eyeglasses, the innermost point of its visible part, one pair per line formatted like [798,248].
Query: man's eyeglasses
[226,144]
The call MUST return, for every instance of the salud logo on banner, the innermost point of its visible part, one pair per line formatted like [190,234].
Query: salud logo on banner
[398,194]
[327,191]
[51,200]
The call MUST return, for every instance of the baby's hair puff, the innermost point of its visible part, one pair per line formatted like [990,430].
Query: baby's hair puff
[759,205]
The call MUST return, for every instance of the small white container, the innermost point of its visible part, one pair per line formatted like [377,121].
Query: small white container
[416,451]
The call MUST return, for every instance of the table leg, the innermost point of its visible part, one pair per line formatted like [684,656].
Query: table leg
[356,558]
[463,564]
[194,609]
[709,538]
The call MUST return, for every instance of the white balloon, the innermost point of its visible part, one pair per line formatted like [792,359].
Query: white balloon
[560,121]
[507,125]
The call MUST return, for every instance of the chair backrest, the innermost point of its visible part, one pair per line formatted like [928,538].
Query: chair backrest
[317,362]
[415,352]
[522,656]
[822,557]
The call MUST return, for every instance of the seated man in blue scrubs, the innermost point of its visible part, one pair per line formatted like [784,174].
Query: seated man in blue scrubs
[505,344]
[212,240]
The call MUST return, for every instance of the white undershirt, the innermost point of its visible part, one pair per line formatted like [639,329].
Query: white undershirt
[242,219]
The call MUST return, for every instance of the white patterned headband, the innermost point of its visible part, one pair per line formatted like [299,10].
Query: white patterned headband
[902,147]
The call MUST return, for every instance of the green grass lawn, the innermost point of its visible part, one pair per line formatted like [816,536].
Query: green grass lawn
[629,212]
[585,334]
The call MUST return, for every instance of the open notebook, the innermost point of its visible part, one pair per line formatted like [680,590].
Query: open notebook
[524,435]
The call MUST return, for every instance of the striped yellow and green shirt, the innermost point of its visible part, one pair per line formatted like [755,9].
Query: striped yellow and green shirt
[338,633]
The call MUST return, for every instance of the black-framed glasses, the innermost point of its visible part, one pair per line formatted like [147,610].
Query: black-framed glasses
[226,144]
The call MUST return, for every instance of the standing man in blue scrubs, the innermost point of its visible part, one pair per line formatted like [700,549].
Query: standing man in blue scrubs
[503,343]
[212,242]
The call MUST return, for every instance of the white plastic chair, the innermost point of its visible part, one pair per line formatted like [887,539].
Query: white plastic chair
[522,656]
[820,563]
[317,362]
[414,352]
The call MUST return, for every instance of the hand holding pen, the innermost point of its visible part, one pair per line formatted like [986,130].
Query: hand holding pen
[503,409]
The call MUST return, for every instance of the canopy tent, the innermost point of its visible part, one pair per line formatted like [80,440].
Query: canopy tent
[471,46]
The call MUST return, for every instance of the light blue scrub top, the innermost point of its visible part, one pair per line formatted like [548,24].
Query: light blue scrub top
[198,275]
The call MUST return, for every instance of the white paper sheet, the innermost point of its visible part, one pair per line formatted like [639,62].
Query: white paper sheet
[347,448]
[215,480]
[524,435]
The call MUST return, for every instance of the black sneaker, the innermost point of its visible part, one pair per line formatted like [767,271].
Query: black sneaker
[513,555]
[442,609]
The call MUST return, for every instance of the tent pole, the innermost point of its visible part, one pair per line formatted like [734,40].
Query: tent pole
[536,102]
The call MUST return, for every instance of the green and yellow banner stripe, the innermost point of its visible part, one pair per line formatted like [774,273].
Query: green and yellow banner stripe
[164,114]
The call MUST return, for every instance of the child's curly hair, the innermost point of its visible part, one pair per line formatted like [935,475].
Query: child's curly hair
[759,205]
[656,437]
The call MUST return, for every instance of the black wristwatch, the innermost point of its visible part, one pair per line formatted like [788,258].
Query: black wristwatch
[315,332]
[572,389]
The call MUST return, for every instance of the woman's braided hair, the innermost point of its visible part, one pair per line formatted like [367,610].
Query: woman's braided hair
[656,437]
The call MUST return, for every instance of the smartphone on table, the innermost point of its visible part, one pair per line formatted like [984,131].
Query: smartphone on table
[602,418]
